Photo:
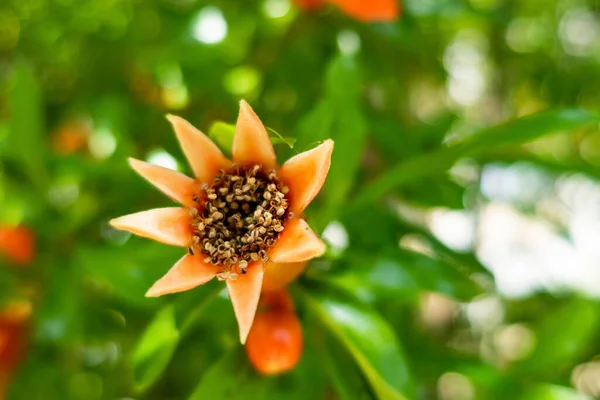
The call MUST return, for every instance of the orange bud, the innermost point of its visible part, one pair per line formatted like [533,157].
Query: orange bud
[276,301]
[17,244]
[279,275]
[274,344]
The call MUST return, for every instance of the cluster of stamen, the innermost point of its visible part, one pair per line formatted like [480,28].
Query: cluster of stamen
[238,218]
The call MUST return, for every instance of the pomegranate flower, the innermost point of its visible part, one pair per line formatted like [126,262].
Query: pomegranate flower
[237,215]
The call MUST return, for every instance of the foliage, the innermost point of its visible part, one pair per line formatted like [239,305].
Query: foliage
[419,110]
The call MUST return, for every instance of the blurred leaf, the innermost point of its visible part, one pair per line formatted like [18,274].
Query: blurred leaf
[222,134]
[528,128]
[59,317]
[347,380]
[436,193]
[514,132]
[155,348]
[222,379]
[404,274]
[158,343]
[552,392]
[130,271]
[371,342]
[562,336]
[26,140]
[338,116]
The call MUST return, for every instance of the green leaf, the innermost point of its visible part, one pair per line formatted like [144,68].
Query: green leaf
[370,341]
[221,380]
[344,374]
[552,392]
[128,272]
[512,133]
[222,134]
[170,324]
[562,336]
[528,128]
[338,116]
[25,142]
[155,348]
[404,275]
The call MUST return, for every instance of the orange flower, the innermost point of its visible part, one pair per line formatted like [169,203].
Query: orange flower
[13,340]
[274,344]
[361,10]
[236,216]
[17,244]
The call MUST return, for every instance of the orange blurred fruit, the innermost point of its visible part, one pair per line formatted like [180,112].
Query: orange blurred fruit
[17,244]
[361,10]
[274,344]
[13,340]
[71,137]
[370,10]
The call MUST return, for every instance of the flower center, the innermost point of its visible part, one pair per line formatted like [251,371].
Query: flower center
[243,212]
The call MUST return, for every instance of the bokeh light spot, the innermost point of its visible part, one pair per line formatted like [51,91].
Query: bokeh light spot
[162,158]
[210,26]
[102,143]
[276,8]
[242,80]
[348,42]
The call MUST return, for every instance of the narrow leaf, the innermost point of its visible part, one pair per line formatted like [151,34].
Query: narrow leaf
[25,142]
[515,132]
[220,381]
[155,349]
[370,341]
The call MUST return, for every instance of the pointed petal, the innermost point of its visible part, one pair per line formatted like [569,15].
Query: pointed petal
[189,272]
[305,174]
[296,243]
[204,156]
[244,293]
[177,186]
[167,225]
[370,11]
[251,143]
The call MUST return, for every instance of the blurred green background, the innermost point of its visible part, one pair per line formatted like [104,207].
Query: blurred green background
[462,207]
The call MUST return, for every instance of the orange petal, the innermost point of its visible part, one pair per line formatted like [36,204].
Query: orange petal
[251,143]
[305,174]
[204,156]
[189,272]
[371,10]
[296,243]
[244,293]
[167,225]
[177,186]
[279,275]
